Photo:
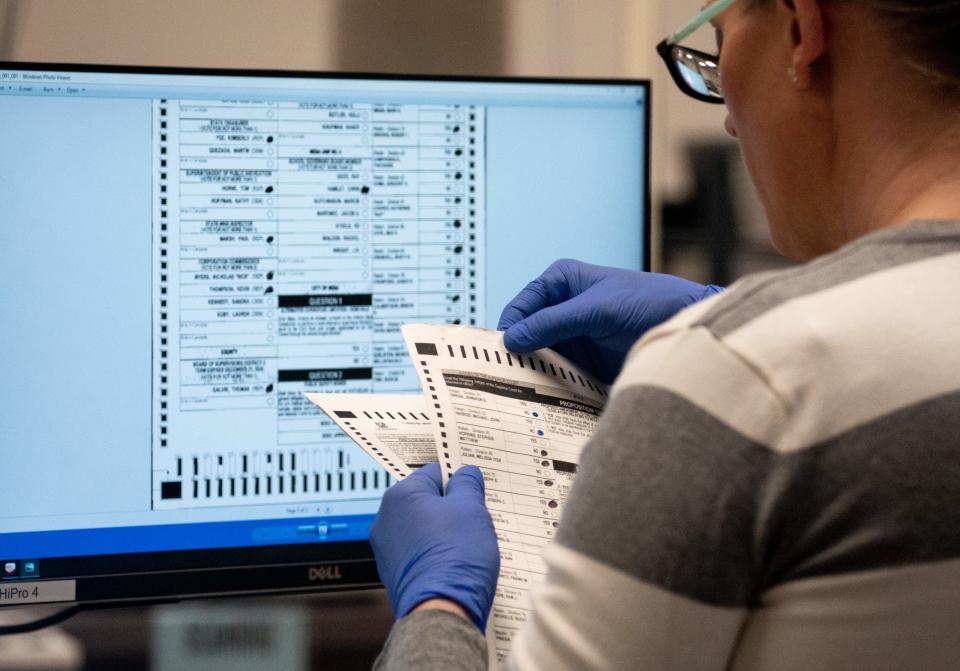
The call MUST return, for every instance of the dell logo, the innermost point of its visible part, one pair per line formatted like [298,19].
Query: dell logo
[324,573]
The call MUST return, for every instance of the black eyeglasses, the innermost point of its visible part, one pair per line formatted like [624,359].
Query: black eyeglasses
[697,73]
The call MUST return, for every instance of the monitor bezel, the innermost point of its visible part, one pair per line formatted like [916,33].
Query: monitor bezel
[119,579]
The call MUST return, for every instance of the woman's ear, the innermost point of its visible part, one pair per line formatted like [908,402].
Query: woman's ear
[807,37]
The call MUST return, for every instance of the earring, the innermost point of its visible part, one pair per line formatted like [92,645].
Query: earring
[792,74]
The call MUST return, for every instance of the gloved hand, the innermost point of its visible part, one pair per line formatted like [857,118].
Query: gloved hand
[430,546]
[593,314]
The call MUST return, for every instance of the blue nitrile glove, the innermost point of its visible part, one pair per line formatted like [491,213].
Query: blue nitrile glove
[593,314]
[433,546]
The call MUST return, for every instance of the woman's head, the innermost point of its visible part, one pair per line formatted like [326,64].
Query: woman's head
[834,100]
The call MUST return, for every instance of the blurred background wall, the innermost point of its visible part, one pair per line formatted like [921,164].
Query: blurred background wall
[564,38]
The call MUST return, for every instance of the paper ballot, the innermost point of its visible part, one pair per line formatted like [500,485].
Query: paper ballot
[523,419]
[394,430]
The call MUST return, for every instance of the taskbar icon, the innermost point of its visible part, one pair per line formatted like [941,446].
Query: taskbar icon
[16,569]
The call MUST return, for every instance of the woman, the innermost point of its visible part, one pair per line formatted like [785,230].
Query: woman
[776,481]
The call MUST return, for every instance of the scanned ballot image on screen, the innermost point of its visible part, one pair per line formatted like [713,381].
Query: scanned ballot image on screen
[292,239]
[236,393]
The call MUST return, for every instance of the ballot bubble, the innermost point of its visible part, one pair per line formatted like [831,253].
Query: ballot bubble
[539,432]
[269,239]
[456,129]
[269,338]
[269,164]
[270,113]
[269,138]
[457,272]
[454,298]
[457,223]
[548,483]
[458,176]
[457,199]
[556,524]
[365,189]
[553,504]
[270,275]
[270,400]
[269,189]
[270,314]
[270,152]
[269,389]
[269,290]
[269,326]
[455,321]
[545,463]
[269,201]
[459,152]
[457,249]
[543,453]
[535,413]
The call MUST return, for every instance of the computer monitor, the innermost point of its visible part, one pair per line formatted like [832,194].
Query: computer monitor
[184,253]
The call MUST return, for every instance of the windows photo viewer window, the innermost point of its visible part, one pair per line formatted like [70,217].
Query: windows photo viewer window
[184,253]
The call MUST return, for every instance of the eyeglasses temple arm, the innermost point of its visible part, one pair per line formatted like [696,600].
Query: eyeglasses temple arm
[708,13]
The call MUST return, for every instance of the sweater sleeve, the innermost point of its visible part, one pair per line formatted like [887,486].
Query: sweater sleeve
[433,640]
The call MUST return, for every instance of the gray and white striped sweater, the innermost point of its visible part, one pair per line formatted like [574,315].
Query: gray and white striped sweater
[775,484]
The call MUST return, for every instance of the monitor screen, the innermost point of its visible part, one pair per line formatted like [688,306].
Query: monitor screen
[184,253]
